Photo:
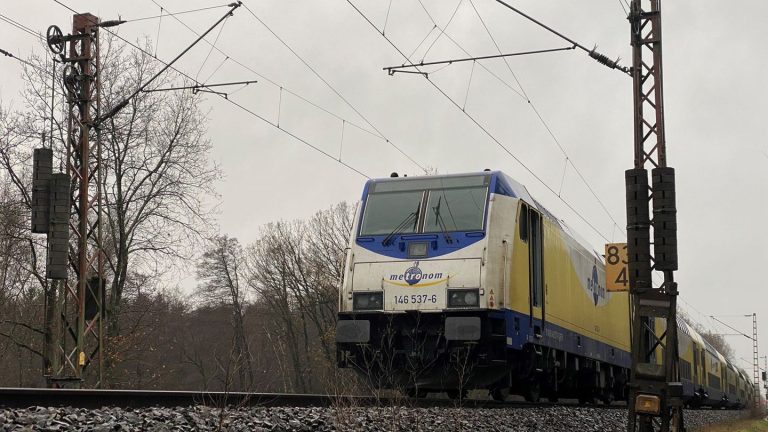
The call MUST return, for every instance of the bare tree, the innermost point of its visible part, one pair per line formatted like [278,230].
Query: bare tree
[327,240]
[270,276]
[296,268]
[157,176]
[219,274]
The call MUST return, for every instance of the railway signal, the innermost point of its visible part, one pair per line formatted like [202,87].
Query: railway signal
[655,402]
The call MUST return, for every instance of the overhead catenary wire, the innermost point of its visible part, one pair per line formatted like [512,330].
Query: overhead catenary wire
[623,7]
[546,125]
[159,23]
[600,58]
[202,65]
[21,60]
[473,59]
[386,19]
[376,133]
[243,108]
[162,15]
[334,90]
[422,41]
[523,94]
[442,29]
[143,86]
[20,26]
[483,128]
[264,77]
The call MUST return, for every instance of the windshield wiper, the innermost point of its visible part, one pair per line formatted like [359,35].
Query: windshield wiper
[440,222]
[413,216]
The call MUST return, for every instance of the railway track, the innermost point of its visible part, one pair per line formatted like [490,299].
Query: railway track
[82,398]
[131,410]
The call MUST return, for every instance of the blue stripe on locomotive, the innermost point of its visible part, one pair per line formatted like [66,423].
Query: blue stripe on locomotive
[519,331]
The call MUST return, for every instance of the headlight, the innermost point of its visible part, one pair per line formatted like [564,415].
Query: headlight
[463,298]
[368,301]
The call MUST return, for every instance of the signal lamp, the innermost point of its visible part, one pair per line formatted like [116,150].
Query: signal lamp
[368,301]
[648,404]
[463,298]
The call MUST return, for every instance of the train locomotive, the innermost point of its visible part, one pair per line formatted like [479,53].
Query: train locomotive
[460,282]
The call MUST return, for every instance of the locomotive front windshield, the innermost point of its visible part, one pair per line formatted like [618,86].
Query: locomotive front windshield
[425,205]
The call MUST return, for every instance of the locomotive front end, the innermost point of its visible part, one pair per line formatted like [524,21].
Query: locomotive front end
[414,299]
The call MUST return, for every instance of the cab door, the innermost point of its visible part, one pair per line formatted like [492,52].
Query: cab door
[531,227]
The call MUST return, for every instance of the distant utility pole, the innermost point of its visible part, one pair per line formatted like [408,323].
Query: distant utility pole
[765,373]
[755,357]
[655,402]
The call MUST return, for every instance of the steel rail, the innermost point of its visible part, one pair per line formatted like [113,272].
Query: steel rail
[90,399]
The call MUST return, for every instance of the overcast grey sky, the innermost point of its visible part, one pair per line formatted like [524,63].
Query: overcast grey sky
[716,110]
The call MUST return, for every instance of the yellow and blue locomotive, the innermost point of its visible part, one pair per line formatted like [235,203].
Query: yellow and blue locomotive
[459,282]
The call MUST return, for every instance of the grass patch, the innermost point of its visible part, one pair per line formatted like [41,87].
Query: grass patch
[737,426]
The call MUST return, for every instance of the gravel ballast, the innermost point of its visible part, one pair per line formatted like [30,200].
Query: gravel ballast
[202,418]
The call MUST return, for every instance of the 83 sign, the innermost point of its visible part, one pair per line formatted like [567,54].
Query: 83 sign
[616,268]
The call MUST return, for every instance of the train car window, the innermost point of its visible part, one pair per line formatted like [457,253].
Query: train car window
[695,361]
[385,212]
[459,209]
[524,222]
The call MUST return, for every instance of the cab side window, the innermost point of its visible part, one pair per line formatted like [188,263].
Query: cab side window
[524,222]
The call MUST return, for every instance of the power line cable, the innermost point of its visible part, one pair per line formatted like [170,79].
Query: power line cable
[20,26]
[422,41]
[265,78]
[159,24]
[624,8]
[162,15]
[442,29]
[287,90]
[545,124]
[600,58]
[21,60]
[289,133]
[483,128]
[386,20]
[459,46]
[337,92]
[221,29]
[523,94]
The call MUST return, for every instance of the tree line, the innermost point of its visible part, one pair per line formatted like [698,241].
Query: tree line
[262,314]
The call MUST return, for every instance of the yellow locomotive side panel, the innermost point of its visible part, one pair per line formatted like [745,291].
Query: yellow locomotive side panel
[576,298]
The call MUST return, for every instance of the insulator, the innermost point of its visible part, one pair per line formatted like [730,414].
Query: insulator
[605,61]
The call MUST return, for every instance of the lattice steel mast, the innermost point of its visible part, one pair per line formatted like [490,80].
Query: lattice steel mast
[655,391]
[78,323]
